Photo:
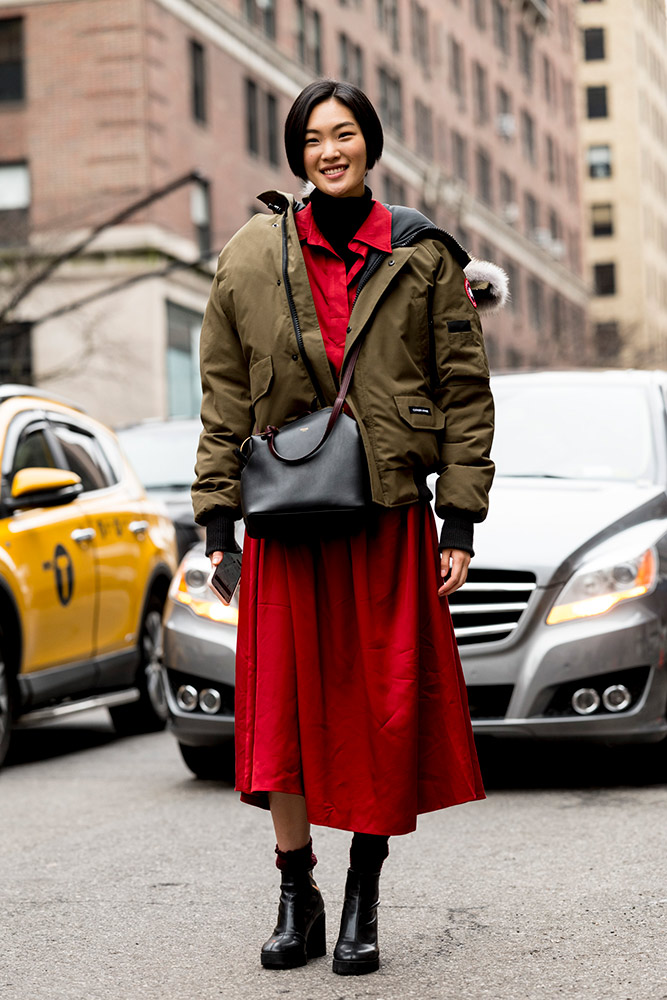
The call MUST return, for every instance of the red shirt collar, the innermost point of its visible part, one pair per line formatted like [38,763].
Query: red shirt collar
[375,231]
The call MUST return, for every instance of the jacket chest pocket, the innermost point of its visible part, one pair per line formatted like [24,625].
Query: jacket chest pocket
[420,412]
[460,351]
[261,377]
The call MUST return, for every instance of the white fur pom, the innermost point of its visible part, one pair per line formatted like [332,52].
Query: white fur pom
[490,284]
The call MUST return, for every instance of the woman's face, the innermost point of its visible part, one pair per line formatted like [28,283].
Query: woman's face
[334,154]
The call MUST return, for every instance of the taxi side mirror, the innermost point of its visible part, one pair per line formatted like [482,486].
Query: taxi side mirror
[43,488]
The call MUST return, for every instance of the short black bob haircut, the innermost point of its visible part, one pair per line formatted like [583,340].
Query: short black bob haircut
[349,95]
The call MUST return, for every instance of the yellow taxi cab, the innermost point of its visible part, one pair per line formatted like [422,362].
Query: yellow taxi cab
[85,565]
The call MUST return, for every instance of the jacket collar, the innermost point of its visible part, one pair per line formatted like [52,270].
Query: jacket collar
[408,226]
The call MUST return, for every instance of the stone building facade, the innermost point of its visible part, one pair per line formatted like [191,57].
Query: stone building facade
[623,93]
[104,103]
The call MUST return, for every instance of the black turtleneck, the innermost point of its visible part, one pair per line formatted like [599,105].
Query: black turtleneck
[339,219]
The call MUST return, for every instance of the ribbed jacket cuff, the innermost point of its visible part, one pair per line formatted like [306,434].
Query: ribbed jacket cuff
[220,534]
[457,531]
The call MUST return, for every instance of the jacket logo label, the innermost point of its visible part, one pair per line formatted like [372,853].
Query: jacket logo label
[420,409]
[458,325]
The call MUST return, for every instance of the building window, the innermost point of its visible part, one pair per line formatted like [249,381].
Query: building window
[272,130]
[481,91]
[198,81]
[602,220]
[507,191]
[604,279]
[535,302]
[420,35]
[599,161]
[512,272]
[501,25]
[200,213]
[483,172]
[525,53]
[183,381]
[528,136]
[548,79]
[252,116]
[479,13]
[11,59]
[552,160]
[261,14]
[387,20]
[596,102]
[607,339]
[351,61]
[16,353]
[460,157]
[424,129]
[531,214]
[593,44]
[262,137]
[14,204]
[456,68]
[394,190]
[309,36]
[391,101]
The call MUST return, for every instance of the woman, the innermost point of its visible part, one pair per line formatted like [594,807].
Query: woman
[351,709]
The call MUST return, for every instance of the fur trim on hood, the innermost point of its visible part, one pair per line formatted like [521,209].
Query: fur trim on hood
[489,283]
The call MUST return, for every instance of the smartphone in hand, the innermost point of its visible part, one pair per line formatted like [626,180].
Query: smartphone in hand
[225,577]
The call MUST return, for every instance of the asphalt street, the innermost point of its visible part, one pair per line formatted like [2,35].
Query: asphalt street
[123,877]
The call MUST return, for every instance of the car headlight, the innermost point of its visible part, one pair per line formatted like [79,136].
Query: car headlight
[600,585]
[190,587]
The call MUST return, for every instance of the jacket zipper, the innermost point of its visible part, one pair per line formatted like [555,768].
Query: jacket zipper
[295,319]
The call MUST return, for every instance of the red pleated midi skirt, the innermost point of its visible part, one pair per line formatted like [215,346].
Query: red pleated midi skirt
[349,687]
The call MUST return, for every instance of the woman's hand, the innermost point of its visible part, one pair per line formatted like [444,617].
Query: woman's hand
[215,557]
[453,562]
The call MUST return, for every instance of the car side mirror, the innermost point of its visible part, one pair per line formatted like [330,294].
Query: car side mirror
[43,488]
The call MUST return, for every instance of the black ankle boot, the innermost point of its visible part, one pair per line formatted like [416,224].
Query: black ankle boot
[300,931]
[357,951]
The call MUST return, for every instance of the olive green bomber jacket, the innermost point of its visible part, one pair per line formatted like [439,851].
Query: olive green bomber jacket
[420,391]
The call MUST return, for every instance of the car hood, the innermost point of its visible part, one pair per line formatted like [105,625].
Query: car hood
[546,526]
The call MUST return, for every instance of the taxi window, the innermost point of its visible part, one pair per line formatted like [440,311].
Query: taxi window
[32,452]
[84,456]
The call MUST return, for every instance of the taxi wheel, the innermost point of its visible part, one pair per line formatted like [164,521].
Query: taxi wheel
[149,713]
[6,705]
[214,763]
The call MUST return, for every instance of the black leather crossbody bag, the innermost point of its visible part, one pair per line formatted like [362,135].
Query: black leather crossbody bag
[308,478]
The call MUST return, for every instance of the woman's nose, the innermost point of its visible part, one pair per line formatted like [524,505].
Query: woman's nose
[329,149]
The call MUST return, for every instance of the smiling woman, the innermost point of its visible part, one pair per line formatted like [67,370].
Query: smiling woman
[350,705]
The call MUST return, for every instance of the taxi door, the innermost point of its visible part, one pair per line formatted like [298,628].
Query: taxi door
[52,558]
[123,549]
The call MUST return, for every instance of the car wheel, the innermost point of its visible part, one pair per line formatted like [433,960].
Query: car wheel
[149,713]
[214,763]
[6,704]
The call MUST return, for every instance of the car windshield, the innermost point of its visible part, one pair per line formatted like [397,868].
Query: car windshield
[162,455]
[578,431]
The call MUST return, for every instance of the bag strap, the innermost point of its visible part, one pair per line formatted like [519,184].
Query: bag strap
[271,432]
[295,318]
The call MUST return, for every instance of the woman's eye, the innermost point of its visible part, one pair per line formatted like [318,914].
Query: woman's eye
[345,135]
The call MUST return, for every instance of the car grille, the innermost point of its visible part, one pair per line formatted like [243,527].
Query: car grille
[490,604]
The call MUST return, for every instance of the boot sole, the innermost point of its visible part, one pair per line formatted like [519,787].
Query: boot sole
[355,968]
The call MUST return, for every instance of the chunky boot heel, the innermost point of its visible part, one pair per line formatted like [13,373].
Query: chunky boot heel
[300,933]
[357,952]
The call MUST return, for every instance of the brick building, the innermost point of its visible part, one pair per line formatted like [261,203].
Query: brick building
[105,101]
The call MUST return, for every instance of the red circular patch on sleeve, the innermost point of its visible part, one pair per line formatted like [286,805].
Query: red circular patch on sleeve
[469,293]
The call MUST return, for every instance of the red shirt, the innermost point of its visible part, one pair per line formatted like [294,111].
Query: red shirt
[333,288]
